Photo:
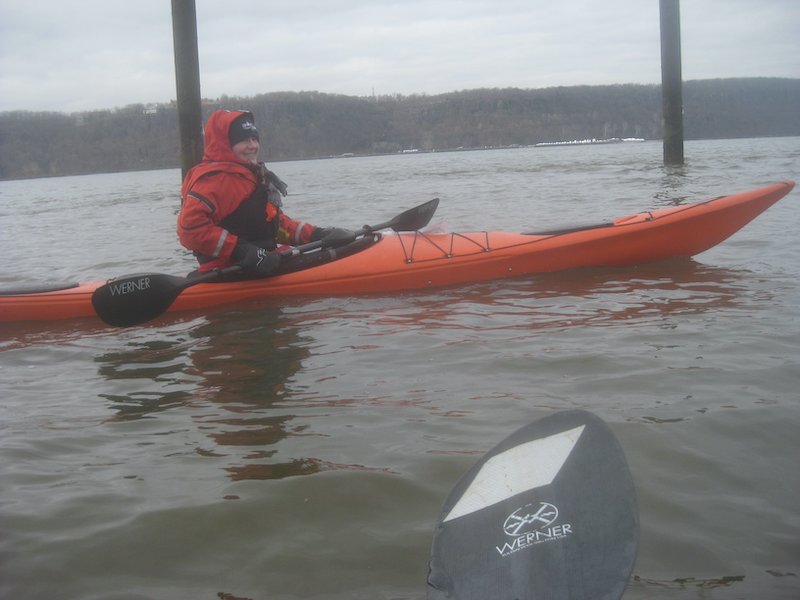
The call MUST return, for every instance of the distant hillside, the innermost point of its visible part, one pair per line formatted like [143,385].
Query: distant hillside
[311,124]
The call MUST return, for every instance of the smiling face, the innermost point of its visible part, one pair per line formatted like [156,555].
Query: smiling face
[247,150]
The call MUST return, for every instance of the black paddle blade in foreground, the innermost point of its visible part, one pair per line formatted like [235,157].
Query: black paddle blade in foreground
[136,299]
[549,513]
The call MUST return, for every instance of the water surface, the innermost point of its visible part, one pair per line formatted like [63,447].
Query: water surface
[302,447]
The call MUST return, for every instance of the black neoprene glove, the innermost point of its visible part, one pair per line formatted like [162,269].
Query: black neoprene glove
[254,259]
[333,237]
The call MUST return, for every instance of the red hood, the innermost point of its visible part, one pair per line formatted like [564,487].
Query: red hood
[218,154]
[218,148]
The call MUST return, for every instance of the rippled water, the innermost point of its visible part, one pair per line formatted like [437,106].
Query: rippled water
[301,448]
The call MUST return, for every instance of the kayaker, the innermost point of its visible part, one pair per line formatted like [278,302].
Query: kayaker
[231,205]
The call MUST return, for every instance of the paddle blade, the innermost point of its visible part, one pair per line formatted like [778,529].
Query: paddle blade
[550,512]
[136,299]
[415,218]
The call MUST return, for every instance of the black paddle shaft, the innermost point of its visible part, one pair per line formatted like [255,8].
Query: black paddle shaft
[137,299]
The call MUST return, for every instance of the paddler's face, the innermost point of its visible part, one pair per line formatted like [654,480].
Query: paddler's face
[247,150]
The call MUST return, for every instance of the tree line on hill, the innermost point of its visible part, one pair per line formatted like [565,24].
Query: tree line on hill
[300,125]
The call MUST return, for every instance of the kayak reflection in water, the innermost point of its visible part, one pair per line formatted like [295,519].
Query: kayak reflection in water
[231,205]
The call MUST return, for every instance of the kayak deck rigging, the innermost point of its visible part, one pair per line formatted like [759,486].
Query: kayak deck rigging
[446,253]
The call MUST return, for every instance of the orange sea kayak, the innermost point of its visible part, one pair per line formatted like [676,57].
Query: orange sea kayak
[416,260]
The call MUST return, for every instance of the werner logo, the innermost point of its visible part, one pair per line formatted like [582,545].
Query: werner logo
[531,525]
[126,287]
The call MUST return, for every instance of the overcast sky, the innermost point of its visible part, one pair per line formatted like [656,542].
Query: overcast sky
[92,54]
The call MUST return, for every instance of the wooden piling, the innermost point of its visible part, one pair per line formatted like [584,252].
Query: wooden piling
[671,82]
[187,79]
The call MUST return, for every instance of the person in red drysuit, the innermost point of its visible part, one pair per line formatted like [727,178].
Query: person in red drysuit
[231,205]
